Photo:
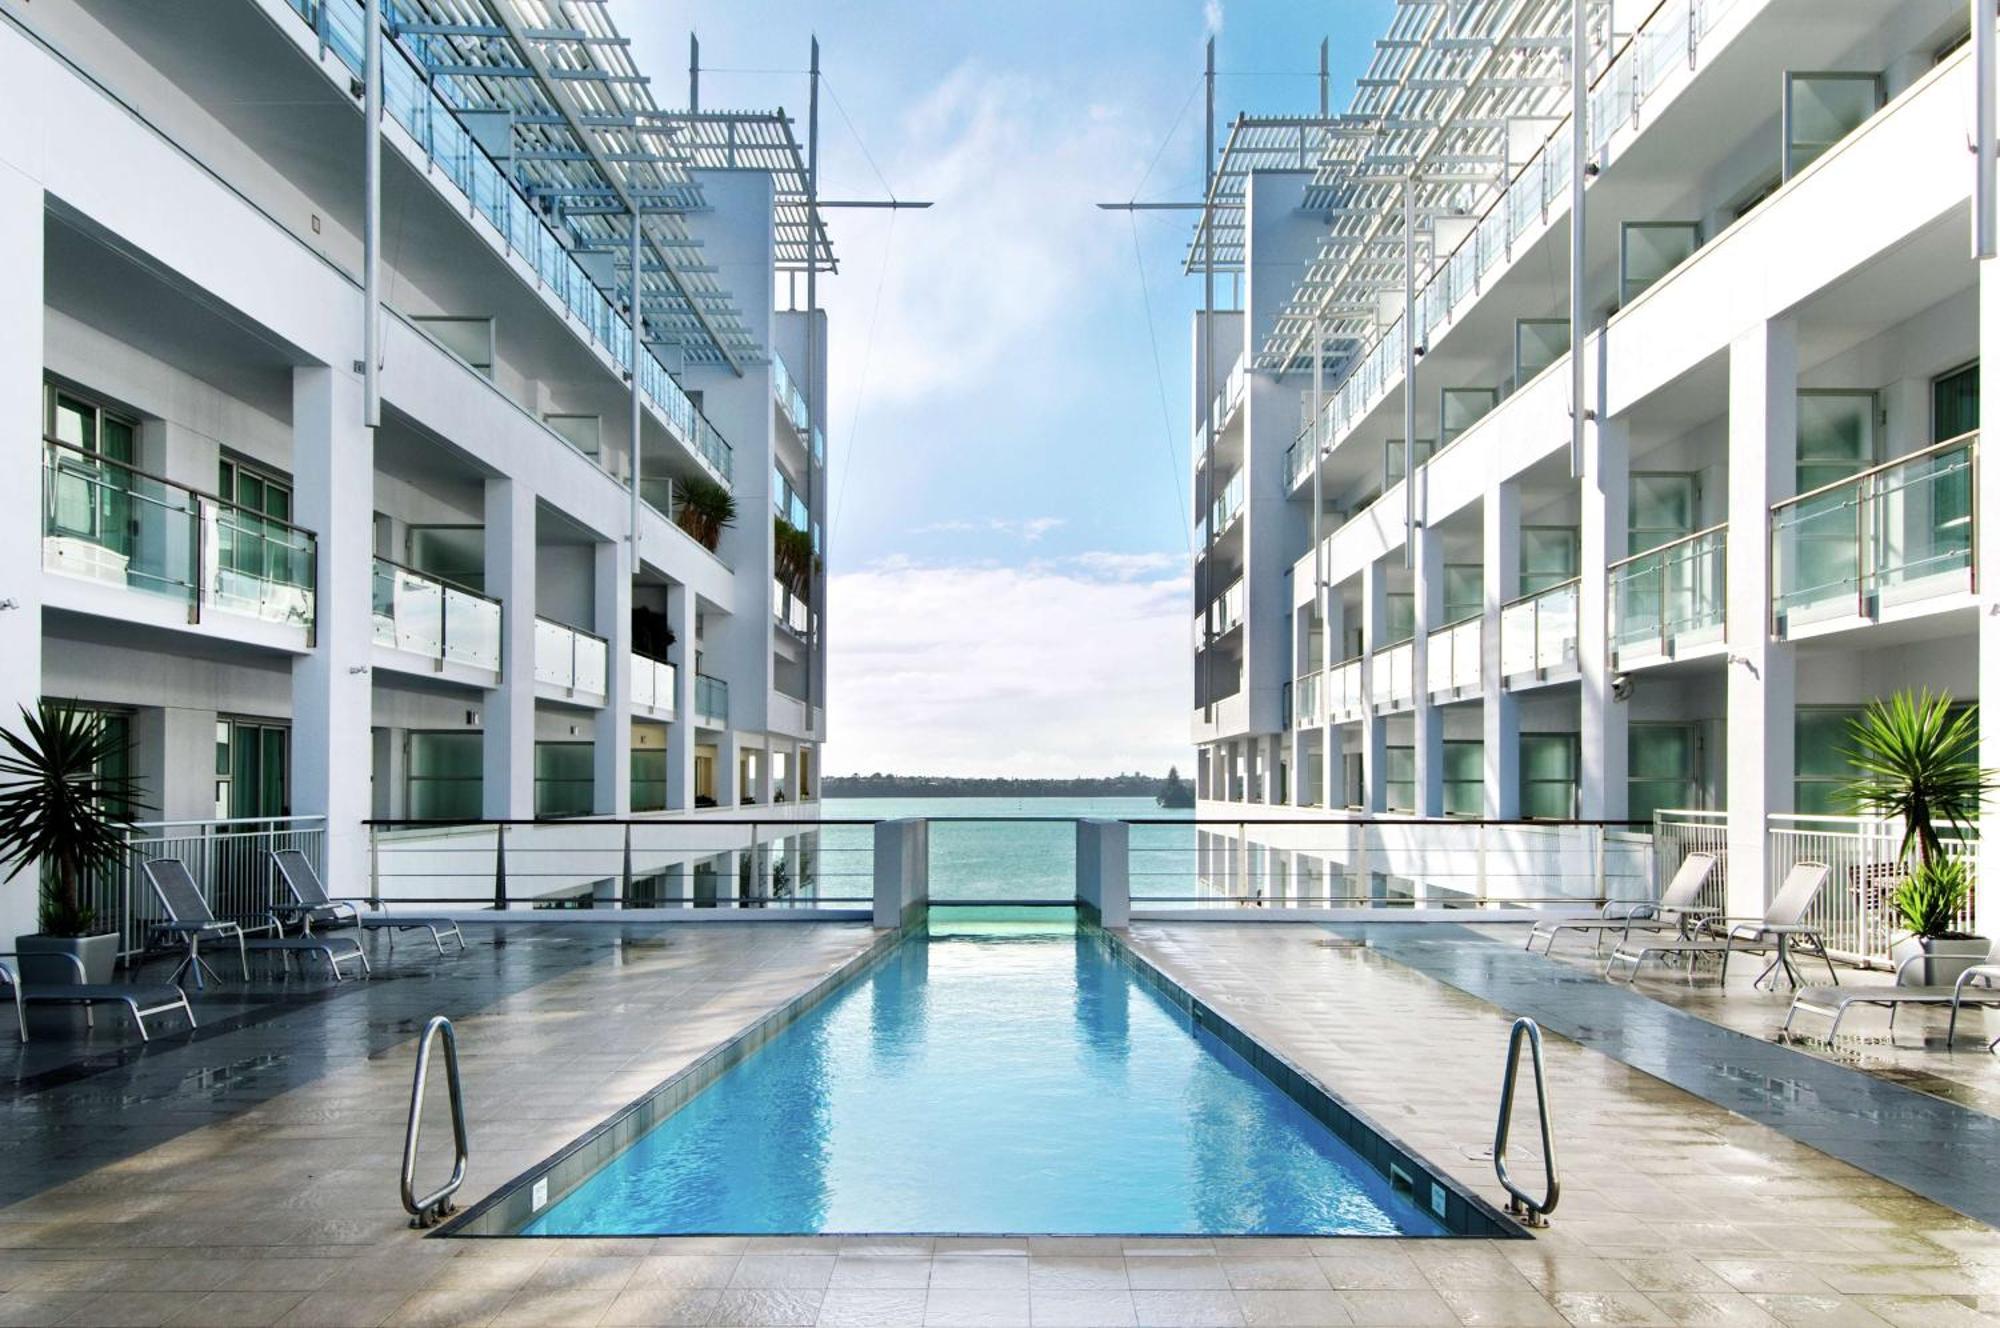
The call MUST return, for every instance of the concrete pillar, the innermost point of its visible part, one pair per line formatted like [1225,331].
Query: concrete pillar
[175,762]
[333,476]
[1500,714]
[611,737]
[1374,728]
[1986,898]
[728,766]
[1428,718]
[680,733]
[902,873]
[1763,469]
[1606,494]
[508,767]
[1103,872]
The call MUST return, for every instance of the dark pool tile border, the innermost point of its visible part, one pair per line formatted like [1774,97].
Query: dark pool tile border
[510,1207]
[1465,1213]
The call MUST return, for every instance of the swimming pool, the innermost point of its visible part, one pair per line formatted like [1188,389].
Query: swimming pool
[995,1076]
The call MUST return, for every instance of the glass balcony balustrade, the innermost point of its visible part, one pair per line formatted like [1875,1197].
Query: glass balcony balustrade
[106,521]
[1305,700]
[1225,613]
[1893,535]
[785,389]
[652,683]
[1670,598]
[1222,512]
[1394,670]
[1538,632]
[570,658]
[1452,656]
[711,698]
[1344,688]
[422,615]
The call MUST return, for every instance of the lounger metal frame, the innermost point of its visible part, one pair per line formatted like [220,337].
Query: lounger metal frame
[1663,915]
[302,880]
[1835,1002]
[1780,930]
[334,949]
[88,994]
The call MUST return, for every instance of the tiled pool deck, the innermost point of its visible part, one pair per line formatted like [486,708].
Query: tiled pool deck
[248,1175]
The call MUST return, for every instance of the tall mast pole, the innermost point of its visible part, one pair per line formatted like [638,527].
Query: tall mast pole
[815,609]
[1410,370]
[371,217]
[1205,493]
[1579,116]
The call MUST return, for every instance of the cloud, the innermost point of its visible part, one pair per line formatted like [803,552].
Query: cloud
[1025,529]
[1211,16]
[1073,666]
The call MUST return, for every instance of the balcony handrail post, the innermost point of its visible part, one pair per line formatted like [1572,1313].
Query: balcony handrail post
[1863,507]
[625,890]
[1661,572]
[500,867]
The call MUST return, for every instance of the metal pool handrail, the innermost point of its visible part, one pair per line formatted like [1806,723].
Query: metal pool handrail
[426,1212]
[1533,1212]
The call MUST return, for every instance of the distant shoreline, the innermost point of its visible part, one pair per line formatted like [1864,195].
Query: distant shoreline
[922,786]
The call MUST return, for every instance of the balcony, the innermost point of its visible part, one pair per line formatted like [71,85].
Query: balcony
[1225,613]
[790,610]
[107,522]
[792,404]
[1886,543]
[1229,397]
[1221,513]
[1344,690]
[424,617]
[652,685]
[1395,676]
[570,664]
[1452,659]
[1538,635]
[1668,601]
[711,700]
[1305,701]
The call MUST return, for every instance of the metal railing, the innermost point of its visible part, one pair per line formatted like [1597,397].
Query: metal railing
[229,859]
[1681,831]
[110,522]
[1394,670]
[652,683]
[792,402]
[1669,598]
[1899,532]
[570,658]
[429,1210]
[1453,657]
[1538,632]
[711,698]
[1222,512]
[422,615]
[1532,1211]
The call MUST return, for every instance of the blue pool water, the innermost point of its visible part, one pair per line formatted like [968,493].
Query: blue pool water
[1003,1076]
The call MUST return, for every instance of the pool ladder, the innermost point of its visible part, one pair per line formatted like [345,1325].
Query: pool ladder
[435,1206]
[1532,1211]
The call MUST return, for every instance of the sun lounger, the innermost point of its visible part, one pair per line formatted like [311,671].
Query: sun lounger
[1781,928]
[189,916]
[1675,912]
[1975,987]
[313,908]
[142,1001]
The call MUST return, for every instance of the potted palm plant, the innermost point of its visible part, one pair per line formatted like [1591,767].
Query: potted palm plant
[703,509]
[1916,760]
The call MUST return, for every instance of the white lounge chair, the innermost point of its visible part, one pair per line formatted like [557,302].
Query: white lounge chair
[1781,927]
[313,908]
[1676,910]
[1975,987]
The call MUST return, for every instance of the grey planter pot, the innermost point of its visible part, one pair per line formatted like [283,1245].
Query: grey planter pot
[99,954]
[1948,959]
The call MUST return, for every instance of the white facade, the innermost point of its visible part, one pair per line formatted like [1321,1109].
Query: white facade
[433,617]
[1777,515]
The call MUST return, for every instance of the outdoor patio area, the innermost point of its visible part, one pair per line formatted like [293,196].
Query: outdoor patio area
[249,1174]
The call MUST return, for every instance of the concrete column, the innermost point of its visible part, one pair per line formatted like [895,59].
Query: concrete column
[611,738]
[1429,720]
[680,733]
[333,475]
[1763,468]
[1103,871]
[175,762]
[902,873]
[1374,728]
[1986,900]
[1500,713]
[728,765]
[508,767]
[1606,494]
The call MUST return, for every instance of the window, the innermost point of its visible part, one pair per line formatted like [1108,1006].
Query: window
[456,554]
[444,777]
[254,541]
[1355,777]
[1819,764]
[470,339]
[649,779]
[1549,776]
[91,480]
[252,774]
[1836,436]
[1955,403]
[564,779]
[1663,509]
[1399,618]
[1459,408]
[1664,769]
[1649,250]
[1464,591]
[1399,782]
[1538,343]
[1821,109]
[1550,555]
[585,431]
[1392,458]
[1464,778]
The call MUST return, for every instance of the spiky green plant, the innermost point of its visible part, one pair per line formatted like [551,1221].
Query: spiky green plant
[704,509]
[58,809]
[1916,759]
[792,555]
[1932,897]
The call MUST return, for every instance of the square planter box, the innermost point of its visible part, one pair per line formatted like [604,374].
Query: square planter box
[40,966]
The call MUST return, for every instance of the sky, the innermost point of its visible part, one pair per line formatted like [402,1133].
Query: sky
[1009,401]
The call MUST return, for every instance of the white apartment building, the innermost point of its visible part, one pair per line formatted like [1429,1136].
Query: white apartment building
[451,584]
[1774,512]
